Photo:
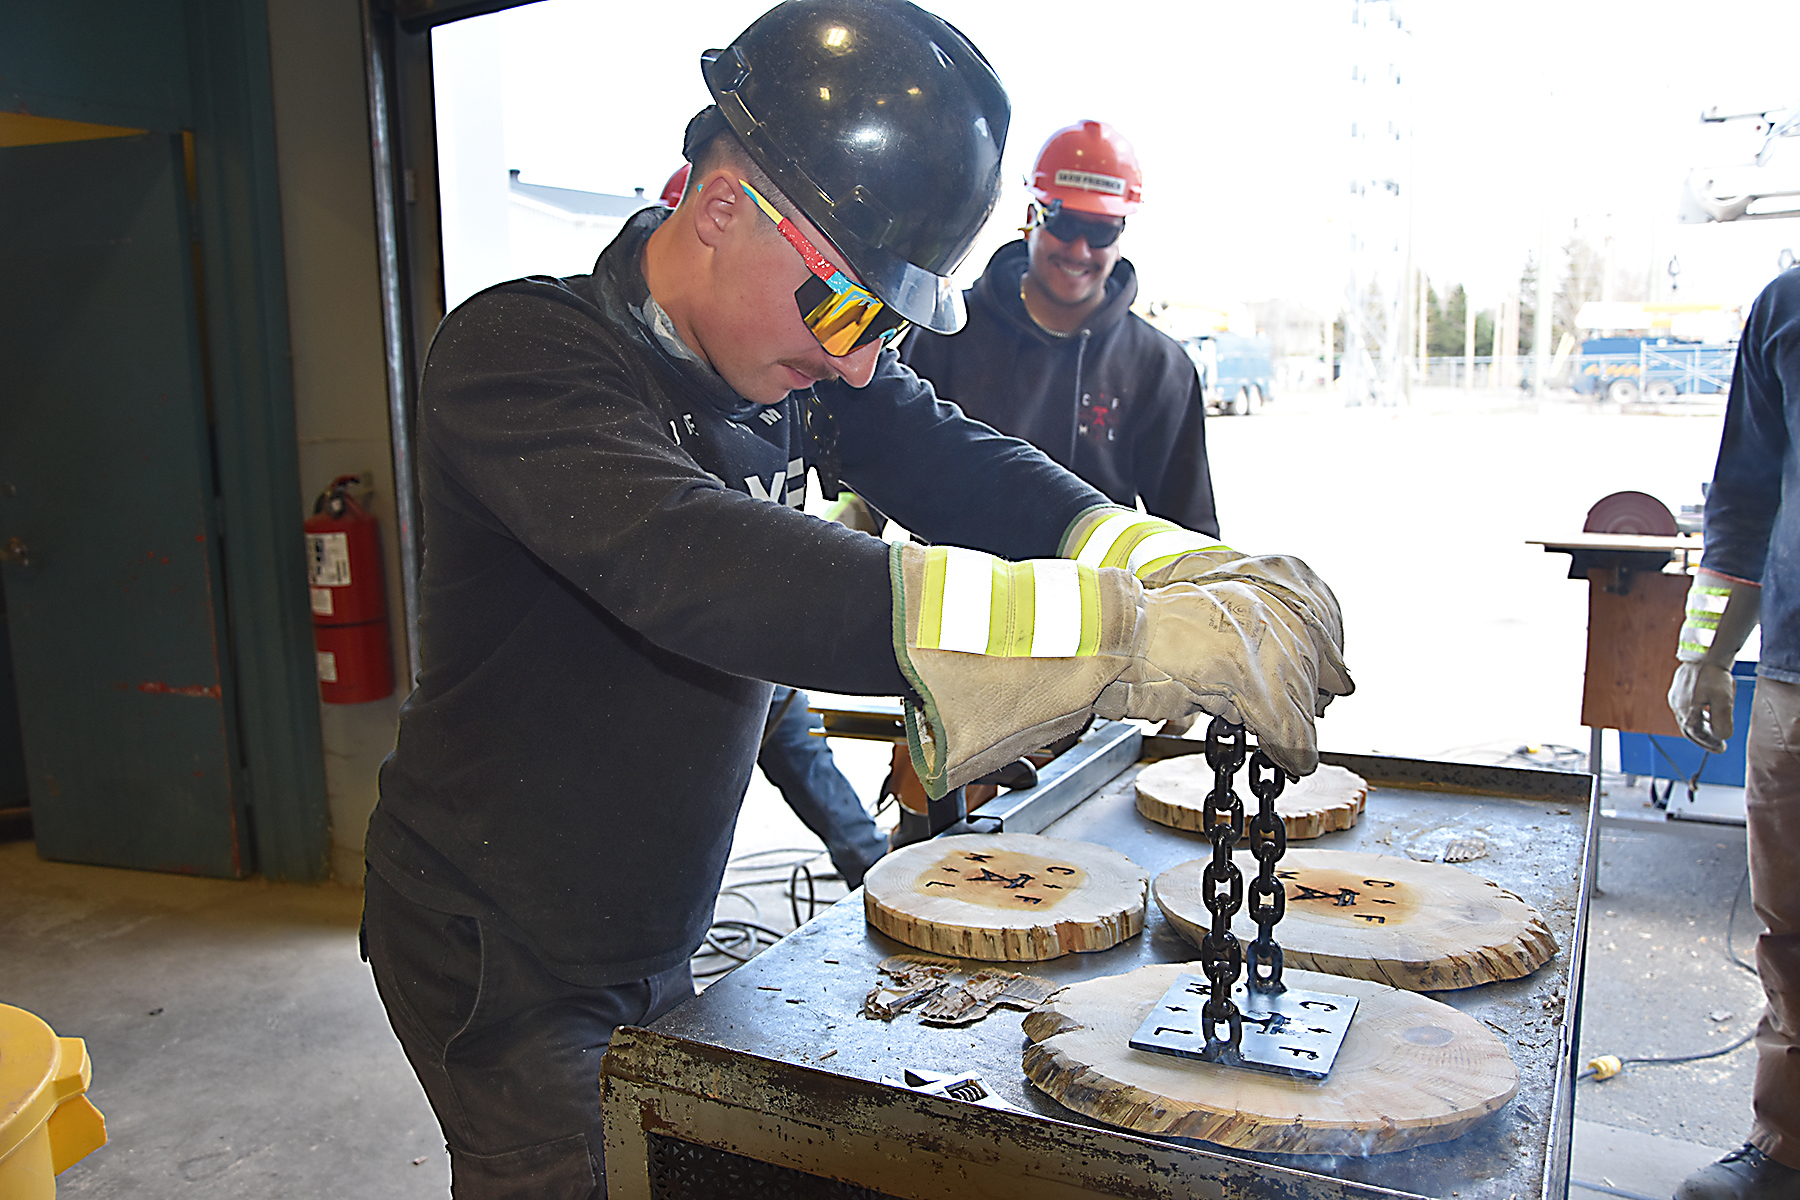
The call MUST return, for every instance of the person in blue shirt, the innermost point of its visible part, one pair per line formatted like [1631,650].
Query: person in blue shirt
[1750,573]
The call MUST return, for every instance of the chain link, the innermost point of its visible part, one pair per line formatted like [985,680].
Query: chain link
[1268,898]
[1222,955]
[1222,889]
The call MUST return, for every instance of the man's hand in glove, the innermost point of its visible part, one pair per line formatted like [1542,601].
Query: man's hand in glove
[1230,649]
[1160,553]
[1007,657]
[1721,612]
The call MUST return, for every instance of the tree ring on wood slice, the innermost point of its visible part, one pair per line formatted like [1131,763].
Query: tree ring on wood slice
[1173,792]
[1424,927]
[1412,1071]
[1002,897]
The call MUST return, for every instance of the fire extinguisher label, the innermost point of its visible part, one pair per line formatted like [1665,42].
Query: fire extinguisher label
[321,601]
[327,666]
[330,565]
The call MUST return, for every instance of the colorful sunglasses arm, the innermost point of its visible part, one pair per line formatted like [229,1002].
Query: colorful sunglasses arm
[814,260]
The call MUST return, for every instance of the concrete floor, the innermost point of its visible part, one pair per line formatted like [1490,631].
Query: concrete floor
[239,1049]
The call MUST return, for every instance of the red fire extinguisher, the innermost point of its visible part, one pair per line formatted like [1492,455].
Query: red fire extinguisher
[349,601]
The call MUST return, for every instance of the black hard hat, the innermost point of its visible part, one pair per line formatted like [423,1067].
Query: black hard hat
[884,125]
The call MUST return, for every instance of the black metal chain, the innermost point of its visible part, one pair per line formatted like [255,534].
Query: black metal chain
[1222,884]
[1268,897]
[1222,889]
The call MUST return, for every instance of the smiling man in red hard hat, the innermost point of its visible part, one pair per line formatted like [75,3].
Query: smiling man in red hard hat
[1053,353]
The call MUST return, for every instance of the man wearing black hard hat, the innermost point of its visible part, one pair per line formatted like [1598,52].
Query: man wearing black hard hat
[612,468]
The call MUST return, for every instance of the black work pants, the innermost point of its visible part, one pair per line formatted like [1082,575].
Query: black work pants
[509,1054]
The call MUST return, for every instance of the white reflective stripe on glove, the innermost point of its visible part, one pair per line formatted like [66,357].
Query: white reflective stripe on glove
[1007,657]
[1004,657]
[1721,612]
[1159,553]
[1109,536]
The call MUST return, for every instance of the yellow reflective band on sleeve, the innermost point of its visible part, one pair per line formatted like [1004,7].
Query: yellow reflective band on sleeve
[1705,605]
[1702,599]
[1090,612]
[975,603]
[1012,610]
[1164,546]
[931,602]
[1138,543]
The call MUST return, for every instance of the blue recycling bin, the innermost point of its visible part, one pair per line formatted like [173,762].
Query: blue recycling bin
[1664,757]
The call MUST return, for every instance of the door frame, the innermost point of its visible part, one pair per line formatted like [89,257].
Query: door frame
[65,62]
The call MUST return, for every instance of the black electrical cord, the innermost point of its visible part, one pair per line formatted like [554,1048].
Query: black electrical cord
[1609,1190]
[1693,782]
[1561,758]
[1731,953]
[1675,1058]
[1731,925]
[737,941]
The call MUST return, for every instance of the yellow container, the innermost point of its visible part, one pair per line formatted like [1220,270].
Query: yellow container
[47,1122]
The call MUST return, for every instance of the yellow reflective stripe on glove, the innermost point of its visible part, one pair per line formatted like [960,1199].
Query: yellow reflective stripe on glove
[975,603]
[1002,657]
[1721,612]
[1706,601]
[1141,544]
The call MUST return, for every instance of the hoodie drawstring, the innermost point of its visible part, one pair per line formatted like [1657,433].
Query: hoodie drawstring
[1075,425]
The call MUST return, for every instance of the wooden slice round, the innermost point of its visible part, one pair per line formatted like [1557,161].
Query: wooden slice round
[1173,792]
[1411,1071]
[1004,897]
[1424,927]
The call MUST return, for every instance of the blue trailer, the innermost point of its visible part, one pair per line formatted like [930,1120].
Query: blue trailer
[1626,369]
[1237,373]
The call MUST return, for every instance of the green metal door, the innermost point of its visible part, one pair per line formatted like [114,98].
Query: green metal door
[106,482]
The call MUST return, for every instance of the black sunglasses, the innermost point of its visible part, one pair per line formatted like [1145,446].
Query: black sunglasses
[1065,226]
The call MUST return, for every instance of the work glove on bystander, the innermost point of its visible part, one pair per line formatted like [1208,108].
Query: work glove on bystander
[1721,612]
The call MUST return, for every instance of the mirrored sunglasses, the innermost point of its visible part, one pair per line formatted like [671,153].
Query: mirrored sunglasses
[1066,226]
[842,315]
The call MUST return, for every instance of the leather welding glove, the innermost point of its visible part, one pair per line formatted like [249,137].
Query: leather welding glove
[1006,657]
[1721,612]
[1160,552]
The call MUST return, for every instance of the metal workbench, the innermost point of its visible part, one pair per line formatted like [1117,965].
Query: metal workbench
[768,1084]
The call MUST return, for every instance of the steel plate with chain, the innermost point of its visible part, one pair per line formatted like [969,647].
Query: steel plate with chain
[1294,1033]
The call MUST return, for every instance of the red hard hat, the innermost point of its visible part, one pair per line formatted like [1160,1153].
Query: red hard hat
[671,193]
[1091,168]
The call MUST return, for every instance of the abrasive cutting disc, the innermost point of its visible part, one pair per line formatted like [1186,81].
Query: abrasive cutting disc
[1633,513]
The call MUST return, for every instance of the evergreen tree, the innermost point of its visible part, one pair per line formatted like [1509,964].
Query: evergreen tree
[1484,333]
[1444,336]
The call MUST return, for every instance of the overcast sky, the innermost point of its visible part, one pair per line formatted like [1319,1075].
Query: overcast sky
[1525,117]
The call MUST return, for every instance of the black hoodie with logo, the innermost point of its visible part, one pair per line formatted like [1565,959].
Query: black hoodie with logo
[615,561]
[1117,402]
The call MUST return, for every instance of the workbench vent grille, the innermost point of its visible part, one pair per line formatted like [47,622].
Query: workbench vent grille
[684,1171]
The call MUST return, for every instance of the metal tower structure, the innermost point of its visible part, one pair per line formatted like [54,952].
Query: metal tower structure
[1378,291]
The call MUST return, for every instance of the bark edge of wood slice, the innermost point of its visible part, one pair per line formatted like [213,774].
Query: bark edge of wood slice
[1173,793]
[1006,897]
[1446,928]
[1412,1071]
